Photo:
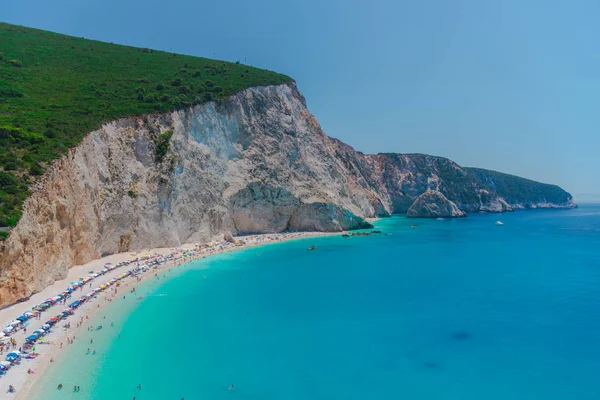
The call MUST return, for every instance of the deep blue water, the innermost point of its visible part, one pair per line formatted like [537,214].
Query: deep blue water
[454,309]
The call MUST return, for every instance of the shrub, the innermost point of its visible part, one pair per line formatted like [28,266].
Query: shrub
[151,98]
[15,63]
[160,86]
[208,83]
[162,145]
[176,82]
[132,193]
[197,74]
[165,98]
[36,169]
[7,92]
[10,166]
[207,96]
[217,89]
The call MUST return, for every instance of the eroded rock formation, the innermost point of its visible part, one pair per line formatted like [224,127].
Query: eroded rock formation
[433,204]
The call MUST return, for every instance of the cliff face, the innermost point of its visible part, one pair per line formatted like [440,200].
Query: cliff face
[258,162]
[433,204]
[404,177]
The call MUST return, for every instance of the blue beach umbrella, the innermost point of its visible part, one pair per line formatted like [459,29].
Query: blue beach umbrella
[22,318]
[32,338]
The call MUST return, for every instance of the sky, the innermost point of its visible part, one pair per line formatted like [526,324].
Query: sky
[507,85]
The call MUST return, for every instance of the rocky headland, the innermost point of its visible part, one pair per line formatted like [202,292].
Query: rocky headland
[257,162]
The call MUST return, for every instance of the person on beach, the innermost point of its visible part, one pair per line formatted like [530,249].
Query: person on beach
[11,389]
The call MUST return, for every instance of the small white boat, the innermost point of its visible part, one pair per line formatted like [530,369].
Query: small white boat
[499,223]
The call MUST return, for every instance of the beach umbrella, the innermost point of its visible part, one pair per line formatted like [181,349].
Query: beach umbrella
[5,364]
[46,327]
[22,318]
[8,329]
[4,339]
[31,338]
[14,323]
[39,332]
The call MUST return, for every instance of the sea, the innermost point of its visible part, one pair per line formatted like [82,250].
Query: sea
[448,309]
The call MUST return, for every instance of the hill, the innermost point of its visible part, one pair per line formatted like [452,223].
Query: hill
[521,192]
[55,89]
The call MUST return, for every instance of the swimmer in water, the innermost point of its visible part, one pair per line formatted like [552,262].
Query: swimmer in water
[59,386]
[230,387]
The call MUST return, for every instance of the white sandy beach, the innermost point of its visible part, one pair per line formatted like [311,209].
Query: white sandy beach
[18,376]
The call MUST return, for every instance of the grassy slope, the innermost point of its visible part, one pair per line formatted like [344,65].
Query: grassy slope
[55,88]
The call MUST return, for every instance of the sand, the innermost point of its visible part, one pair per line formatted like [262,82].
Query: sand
[18,376]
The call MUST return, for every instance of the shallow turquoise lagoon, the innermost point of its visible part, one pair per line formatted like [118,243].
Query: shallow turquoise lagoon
[454,309]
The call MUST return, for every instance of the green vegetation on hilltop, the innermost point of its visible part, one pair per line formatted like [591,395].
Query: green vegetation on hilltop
[54,89]
[517,190]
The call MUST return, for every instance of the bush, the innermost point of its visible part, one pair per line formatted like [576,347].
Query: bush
[208,83]
[7,92]
[162,145]
[207,96]
[217,89]
[133,194]
[197,74]
[160,86]
[15,63]
[10,166]
[165,98]
[176,82]
[36,170]
[151,98]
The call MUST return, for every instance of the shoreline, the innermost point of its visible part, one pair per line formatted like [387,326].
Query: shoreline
[18,376]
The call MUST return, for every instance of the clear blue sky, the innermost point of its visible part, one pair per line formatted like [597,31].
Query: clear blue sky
[509,85]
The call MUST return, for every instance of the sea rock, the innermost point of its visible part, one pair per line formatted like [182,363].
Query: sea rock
[228,238]
[433,204]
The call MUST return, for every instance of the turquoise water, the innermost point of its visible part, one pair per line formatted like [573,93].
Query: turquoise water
[455,309]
